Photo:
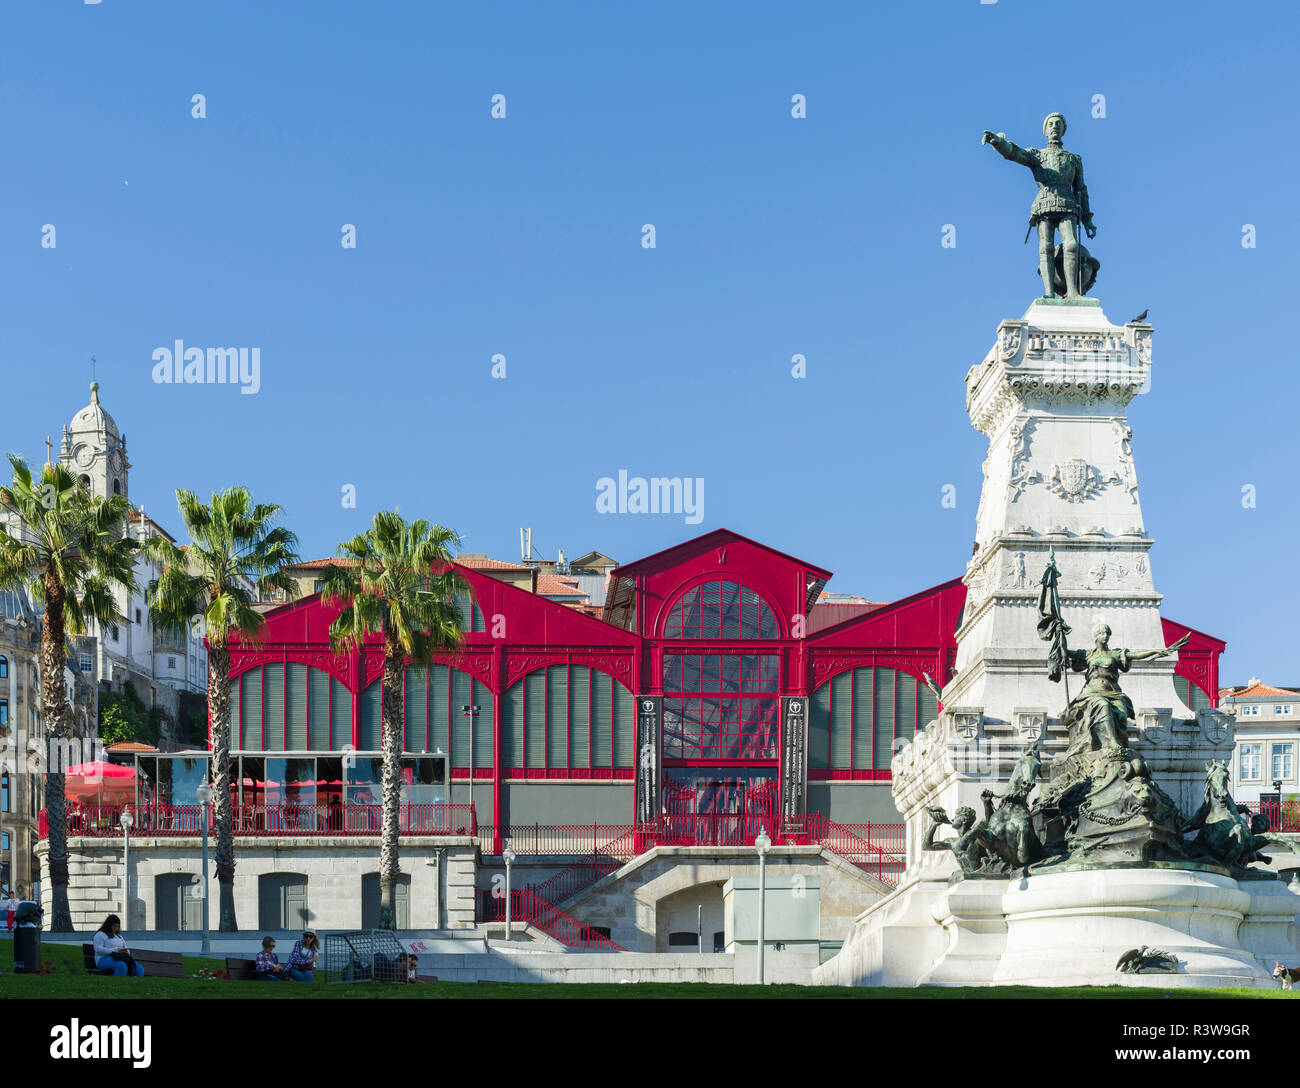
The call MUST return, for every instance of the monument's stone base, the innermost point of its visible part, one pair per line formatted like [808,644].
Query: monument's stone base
[1070,929]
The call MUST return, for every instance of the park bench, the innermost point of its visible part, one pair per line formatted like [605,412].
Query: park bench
[241,970]
[155,964]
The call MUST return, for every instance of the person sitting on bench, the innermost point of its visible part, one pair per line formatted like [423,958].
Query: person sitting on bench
[269,968]
[111,953]
[302,960]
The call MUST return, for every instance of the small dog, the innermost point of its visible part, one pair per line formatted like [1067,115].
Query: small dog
[1288,975]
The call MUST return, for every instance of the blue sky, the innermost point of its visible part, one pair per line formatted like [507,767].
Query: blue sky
[774,236]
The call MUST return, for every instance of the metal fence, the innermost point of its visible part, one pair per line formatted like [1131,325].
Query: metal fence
[364,955]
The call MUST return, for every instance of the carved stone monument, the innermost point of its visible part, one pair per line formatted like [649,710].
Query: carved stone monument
[1128,834]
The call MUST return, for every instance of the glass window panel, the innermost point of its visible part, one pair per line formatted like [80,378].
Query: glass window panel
[439,709]
[535,718]
[602,719]
[720,609]
[273,699]
[512,726]
[580,716]
[884,717]
[296,702]
[250,700]
[461,713]
[318,722]
[483,699]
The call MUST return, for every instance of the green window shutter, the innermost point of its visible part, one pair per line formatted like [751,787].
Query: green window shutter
[846,717]
[1197,700]
[484,700]
[580,717]
[884,717]
[819,729]
[417,708]
[624,725]
[251,713]
[273,721]
[318,720]
[602,719]
[929,705]
[370,712]
[907,705]
[535,718]
[557,716]
[864,709]
[460,723]
[236,713]
[296,698]
[439,708]
[479,625]
[340,714]
[512,727]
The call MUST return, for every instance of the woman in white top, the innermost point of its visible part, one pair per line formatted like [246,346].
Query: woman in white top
[111,953]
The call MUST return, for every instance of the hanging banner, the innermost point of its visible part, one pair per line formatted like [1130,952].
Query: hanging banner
[794,750]
[649,732]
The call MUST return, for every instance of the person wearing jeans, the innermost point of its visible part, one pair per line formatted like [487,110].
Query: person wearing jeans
[111,953]
[302,960]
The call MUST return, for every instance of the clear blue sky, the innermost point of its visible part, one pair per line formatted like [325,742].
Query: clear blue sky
[775,236]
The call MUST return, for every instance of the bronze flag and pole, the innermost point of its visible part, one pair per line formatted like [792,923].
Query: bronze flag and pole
[1051,627]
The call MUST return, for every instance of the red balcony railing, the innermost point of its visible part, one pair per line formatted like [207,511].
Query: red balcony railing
[285,821]
[536,911]
[1282,816]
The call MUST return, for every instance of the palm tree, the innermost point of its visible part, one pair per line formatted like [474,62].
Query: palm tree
[72,550]
[236,549]
[399,584]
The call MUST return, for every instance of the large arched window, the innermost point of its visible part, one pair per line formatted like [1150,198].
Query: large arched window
[722,610]
[857,716]
[721,706]
[566,718]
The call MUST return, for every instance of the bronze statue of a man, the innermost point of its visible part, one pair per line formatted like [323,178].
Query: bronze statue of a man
[1061,203]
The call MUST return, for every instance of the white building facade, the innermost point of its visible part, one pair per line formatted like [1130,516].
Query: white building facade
[1268,739]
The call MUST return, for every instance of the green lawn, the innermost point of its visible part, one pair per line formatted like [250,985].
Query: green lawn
[69,980]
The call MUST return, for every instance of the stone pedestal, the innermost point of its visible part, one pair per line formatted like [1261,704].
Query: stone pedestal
[1052,396]
[1070,929]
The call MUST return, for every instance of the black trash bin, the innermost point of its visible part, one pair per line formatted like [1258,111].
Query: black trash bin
[27,938]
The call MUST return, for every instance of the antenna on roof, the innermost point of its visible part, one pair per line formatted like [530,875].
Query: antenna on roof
[561,564]
[526,545]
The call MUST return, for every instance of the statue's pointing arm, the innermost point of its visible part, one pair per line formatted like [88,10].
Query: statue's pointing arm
[1008,150]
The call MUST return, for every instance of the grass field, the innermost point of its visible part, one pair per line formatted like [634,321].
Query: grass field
[68,979]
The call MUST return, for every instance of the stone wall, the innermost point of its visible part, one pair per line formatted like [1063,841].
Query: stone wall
[443,871]
[628,902]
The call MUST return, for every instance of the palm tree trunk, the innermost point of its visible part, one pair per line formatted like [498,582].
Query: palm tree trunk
[391,743]
[222,815]
[54,719]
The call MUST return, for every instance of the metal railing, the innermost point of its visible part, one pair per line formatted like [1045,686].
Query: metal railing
[1282,817]
[288,821]
[527,906]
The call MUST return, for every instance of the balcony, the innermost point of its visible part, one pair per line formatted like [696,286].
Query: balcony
[282,821]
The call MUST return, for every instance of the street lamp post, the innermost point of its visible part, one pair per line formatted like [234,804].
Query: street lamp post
[126,820]
[205,796]
[762,844]
[508,856]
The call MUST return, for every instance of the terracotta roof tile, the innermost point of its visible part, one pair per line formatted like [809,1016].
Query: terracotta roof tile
[1259,690]
[316,564]
[482,562]
[553,585]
